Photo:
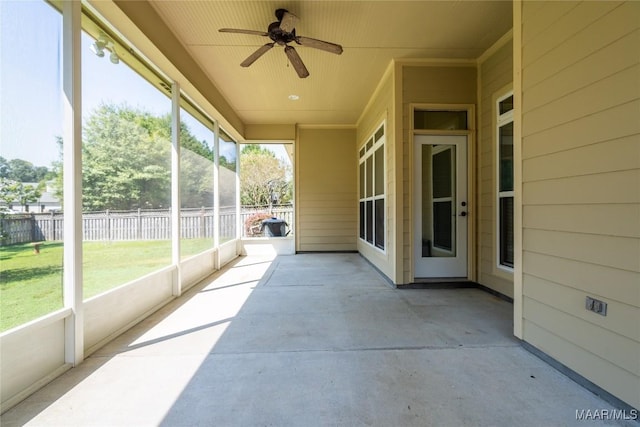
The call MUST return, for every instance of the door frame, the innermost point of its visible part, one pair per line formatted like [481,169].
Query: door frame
[472,217]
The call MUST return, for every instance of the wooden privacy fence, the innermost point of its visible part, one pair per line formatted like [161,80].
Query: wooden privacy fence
[130,225]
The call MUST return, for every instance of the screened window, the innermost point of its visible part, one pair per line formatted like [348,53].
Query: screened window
[31,130]
[372,190]
[227,187]
[504,181]
[196,182]
[126,169]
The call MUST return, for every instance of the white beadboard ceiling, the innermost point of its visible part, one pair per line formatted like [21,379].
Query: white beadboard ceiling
[372,33]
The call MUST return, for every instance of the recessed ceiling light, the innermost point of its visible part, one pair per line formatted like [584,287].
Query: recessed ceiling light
[294,97]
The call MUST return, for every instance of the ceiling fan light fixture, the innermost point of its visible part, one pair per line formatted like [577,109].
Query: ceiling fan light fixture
[282,33]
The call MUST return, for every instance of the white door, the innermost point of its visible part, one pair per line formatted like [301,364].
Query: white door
[440,206]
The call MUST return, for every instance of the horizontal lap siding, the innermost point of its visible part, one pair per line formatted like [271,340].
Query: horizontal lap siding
[581,187]
[428,84]
[327,198]
[496,73]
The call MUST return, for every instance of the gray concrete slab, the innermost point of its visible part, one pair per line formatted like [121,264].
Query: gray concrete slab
[315,339]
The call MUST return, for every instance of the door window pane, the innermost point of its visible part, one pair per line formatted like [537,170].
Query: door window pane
[442,174]
[438,200]
[442,225]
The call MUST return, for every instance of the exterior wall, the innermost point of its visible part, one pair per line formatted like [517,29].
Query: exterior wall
[495,78]
[429,84]
[326,192]
[581,187]
[381,108]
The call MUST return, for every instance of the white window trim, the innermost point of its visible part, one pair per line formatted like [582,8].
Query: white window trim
[502,119]
[369,153]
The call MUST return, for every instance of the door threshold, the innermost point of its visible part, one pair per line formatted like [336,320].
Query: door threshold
[439,283]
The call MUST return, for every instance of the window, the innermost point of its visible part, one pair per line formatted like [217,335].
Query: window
[504,180]
[196,182]
[372,190]
[126,170]
[227,184]
[31,132]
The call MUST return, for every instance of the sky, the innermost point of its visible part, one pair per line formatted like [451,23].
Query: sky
[31,112]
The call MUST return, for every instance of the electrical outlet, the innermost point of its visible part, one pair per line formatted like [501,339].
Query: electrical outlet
[597,306]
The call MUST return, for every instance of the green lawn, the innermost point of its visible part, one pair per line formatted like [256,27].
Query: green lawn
[31,284]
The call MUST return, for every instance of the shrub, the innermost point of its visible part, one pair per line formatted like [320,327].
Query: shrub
[253,224]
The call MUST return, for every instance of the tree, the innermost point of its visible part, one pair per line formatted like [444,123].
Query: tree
[12,191]
[264,177]
[22,170]
[125,160]
[4,168]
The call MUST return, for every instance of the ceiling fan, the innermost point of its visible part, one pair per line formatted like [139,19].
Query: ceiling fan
[282,33]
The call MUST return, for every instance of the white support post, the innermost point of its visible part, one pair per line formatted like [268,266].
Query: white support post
[518,295]
[239,224]
[72,184]
[216,192]
[175,186]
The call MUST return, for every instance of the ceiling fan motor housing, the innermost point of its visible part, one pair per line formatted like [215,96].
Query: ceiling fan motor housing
[279,36]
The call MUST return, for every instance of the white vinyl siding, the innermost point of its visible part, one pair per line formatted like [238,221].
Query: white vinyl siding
[581,187]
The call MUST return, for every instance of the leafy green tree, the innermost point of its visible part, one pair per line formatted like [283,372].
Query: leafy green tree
[196,170]
[12,191]
[126,160]
[4,168]
[22,170]
[264,177]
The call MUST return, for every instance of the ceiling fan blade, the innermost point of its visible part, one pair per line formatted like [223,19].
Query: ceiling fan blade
[288,22]
[319,44]
[257,54]
[236,30]
[296,61]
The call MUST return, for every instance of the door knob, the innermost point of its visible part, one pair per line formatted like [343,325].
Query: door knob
[463,213]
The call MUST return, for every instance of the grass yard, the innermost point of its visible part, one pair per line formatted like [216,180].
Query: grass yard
[31,284]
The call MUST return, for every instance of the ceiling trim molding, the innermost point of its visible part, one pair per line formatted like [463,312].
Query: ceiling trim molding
[506,38]
[374,95]
[325,126]
[435,62]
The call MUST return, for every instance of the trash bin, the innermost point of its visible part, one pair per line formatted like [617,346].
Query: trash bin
[274,227]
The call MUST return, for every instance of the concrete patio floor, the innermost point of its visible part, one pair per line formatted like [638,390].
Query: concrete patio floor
[313,340]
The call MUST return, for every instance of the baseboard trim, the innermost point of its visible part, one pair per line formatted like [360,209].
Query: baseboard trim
[579,379]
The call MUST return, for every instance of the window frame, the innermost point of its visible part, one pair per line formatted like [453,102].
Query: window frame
[368,227]
[502,119]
